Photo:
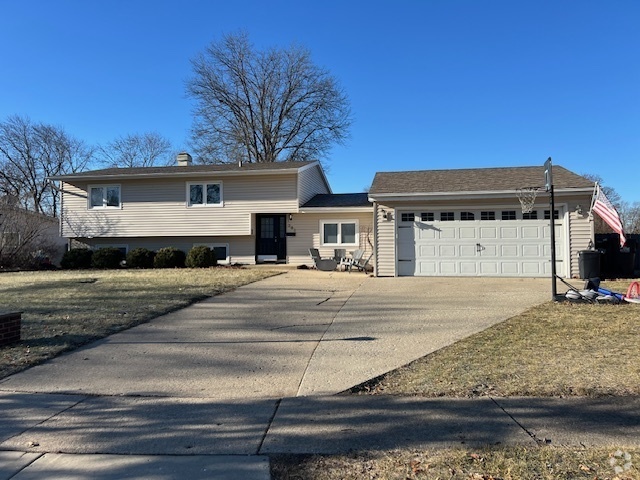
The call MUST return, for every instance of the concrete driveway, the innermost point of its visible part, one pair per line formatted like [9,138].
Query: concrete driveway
[296,334]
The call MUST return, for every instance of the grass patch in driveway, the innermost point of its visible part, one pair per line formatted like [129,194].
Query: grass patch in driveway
[555,349]
[491,463]
[63,310]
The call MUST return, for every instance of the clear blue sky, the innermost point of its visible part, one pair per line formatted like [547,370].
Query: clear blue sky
[433,84]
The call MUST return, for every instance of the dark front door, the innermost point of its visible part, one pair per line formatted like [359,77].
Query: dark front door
[271,238]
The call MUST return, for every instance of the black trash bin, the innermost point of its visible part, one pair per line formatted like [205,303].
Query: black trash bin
[589,264]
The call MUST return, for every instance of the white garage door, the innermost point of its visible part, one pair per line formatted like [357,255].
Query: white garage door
[489,242]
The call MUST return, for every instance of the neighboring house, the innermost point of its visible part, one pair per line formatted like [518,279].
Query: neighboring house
[28,239]
[443,222]
[470,222]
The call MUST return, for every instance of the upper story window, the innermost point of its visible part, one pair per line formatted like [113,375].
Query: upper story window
[104,196]
[204,194]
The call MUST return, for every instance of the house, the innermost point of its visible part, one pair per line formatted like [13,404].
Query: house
[28,239]
[248,213]
[432,222]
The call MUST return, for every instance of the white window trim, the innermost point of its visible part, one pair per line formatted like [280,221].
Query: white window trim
[339,244]
[225,261]
[104,206]
[204,194]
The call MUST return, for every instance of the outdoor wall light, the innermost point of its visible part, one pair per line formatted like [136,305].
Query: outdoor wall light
[579,210]
[290,217]
[386,215]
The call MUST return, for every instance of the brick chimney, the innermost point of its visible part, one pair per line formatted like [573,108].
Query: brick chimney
[184,159]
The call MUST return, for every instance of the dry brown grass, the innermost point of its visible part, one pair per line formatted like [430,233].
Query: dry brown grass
[63,310]
[555,349]
[506,463]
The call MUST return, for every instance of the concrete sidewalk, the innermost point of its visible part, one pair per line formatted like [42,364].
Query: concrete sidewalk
[124,437]
[219,385]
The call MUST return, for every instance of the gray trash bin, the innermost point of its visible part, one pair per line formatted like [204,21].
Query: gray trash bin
[589,263]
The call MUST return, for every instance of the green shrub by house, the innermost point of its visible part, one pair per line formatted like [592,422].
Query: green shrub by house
[107,258]
[169,257]
[201,257]
[140,258]
[76,258]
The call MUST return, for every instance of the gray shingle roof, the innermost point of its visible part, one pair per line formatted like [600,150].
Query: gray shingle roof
[339,200]
[226,167]
[473,180]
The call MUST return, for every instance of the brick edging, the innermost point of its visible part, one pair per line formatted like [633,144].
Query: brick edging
[10,323]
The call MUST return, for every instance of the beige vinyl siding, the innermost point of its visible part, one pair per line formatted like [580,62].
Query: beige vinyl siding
[241,249]
[310,182]
[307,230]
[581,232]
[158,207]
[385,242]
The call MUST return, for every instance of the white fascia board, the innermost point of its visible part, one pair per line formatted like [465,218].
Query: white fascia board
[336,210]
[92,178]
[403,197]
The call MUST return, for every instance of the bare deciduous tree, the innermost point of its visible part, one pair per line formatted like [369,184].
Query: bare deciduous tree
[630,214]
[137,150]
[29,153]
[264,106]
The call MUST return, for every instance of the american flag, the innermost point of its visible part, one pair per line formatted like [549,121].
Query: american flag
[605,209]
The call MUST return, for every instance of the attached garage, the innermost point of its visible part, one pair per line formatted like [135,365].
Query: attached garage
[482,242]
[470,223]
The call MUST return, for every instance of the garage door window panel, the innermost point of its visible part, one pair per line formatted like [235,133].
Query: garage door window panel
[339,233]
[467,216]
[487,215]
[547,214]
[407,217]
[508,215]
[447,216]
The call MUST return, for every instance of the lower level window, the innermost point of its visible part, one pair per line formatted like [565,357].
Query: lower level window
[221,250]
[339,233]
[123,248]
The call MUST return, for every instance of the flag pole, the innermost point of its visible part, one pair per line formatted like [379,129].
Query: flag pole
[594,195]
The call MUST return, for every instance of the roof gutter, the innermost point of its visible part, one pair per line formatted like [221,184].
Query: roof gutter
[426,196]
[336,209]
[136,176]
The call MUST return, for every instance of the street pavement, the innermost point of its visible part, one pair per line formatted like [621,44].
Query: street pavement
[211,390]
